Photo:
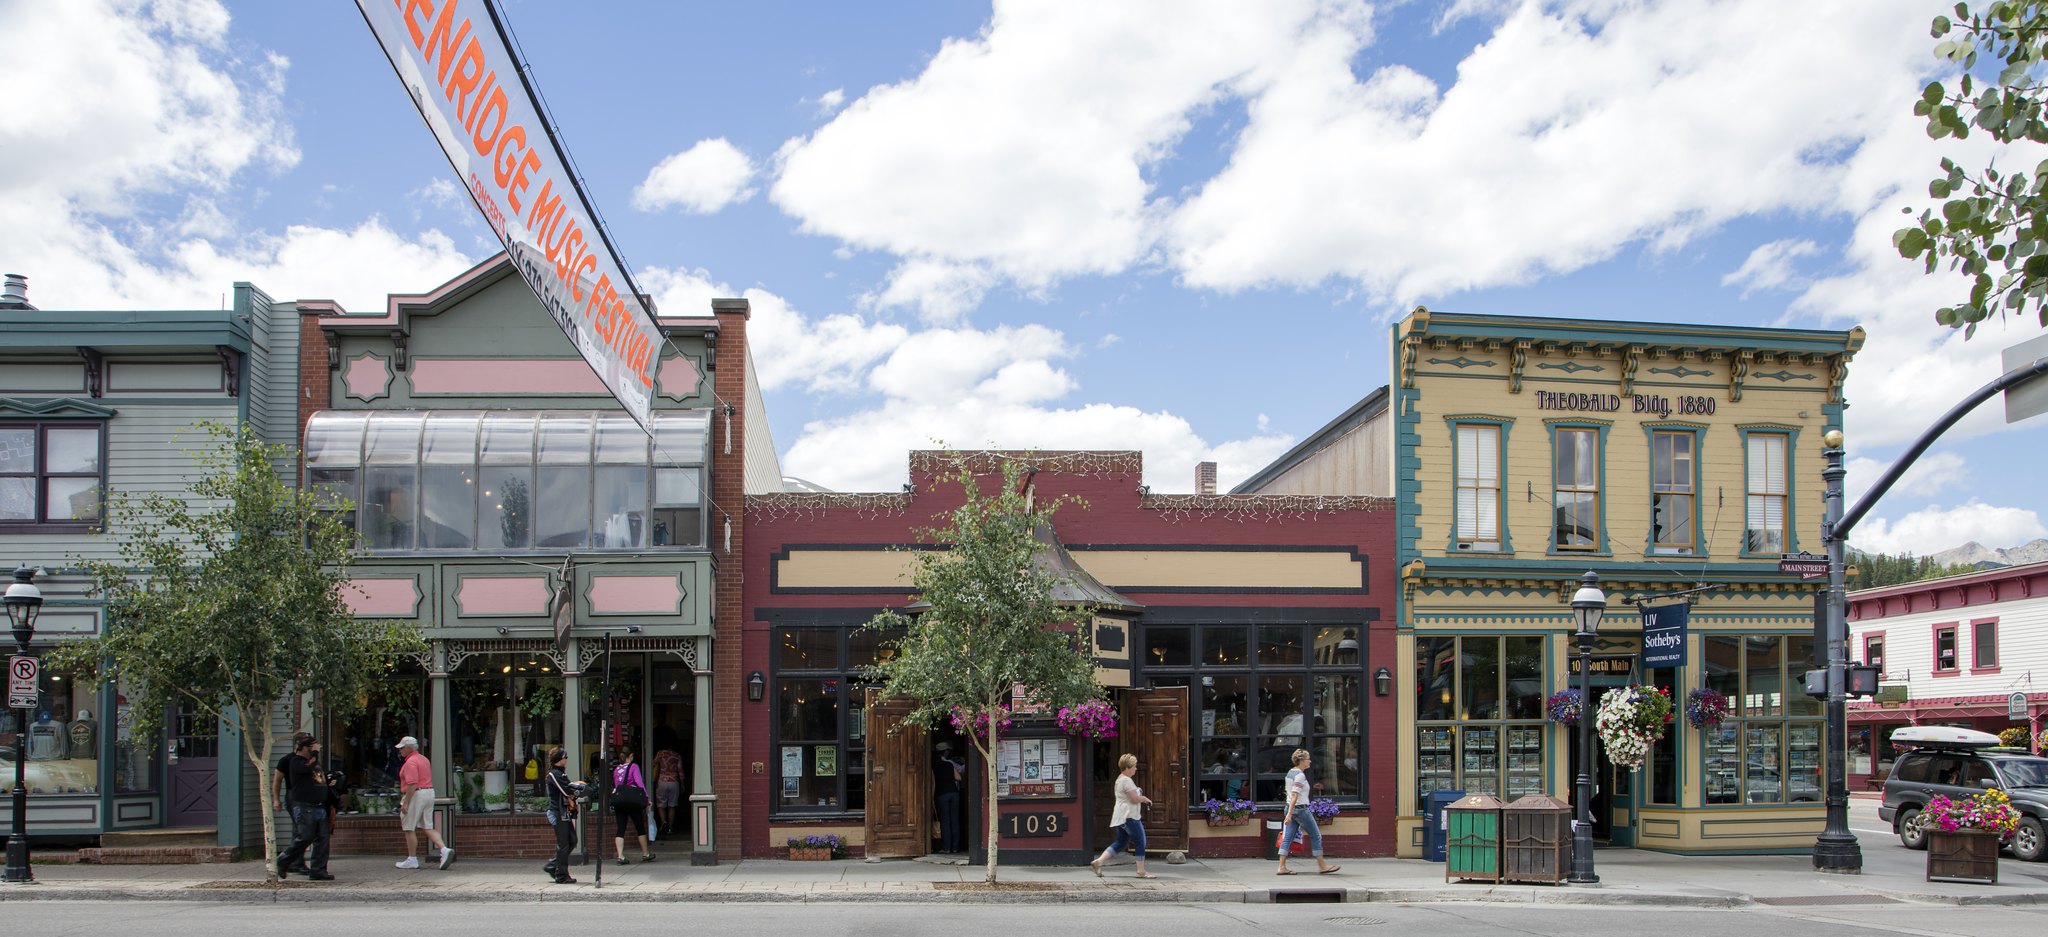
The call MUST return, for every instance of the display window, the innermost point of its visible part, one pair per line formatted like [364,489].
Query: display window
[1479,715]
[1769,749]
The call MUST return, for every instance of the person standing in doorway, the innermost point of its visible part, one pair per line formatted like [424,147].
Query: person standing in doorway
[668,788]
[629,806]
[416,804]
[946,777]
[562,797]
[306,784]
[1301,818]
[1126,817]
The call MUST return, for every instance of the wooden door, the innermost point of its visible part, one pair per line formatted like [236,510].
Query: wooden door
[899,781]
[192,776]
[1158,731]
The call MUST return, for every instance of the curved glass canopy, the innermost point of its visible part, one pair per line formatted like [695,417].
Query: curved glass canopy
[514,481]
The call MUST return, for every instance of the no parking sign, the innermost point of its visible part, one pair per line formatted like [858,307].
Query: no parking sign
[21,682]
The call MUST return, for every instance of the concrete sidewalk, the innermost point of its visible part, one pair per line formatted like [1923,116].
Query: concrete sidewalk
[1628,877]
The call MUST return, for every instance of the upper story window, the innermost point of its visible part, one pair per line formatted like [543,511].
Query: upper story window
[1764,530]
[1984,644]
[512,480]
[1945,649]
[1478,502]
[1671,492]
[1577,468]
[1873,652]
[52,473]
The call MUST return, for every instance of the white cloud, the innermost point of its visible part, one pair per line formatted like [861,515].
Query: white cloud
[1022,153]
[440,192]
[700,180]
[119,169]
[1771,267]
[940,290]
[828,354]
[831,101]
[1930,475]
[1934,529]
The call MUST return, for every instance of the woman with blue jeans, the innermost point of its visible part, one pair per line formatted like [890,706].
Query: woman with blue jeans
[1301,817]
[1124,818]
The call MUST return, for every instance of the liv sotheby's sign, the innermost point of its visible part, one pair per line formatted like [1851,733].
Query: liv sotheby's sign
[455,63]
[1664,636]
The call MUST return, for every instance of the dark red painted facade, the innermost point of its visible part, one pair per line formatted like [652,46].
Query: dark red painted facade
[1111,512]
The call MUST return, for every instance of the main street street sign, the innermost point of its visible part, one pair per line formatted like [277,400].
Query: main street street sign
[21,682]
[1807,565]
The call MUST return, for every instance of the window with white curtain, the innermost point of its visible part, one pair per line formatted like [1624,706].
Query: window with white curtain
[1478,496]
[1764,531]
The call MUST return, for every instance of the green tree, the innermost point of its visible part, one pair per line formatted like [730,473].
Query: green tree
[1874,570]
[229,597]
[1991,226]
[994,622]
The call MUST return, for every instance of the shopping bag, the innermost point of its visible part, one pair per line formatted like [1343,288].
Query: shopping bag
[1299,846]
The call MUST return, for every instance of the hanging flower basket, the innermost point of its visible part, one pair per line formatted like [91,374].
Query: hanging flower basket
[1705,708]
[1630,719]
[1095,719]
[977,725]
[1565,707]
[2014,737]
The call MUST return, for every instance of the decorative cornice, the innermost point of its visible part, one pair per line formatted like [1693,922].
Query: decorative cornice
[1268,509]
[54,407]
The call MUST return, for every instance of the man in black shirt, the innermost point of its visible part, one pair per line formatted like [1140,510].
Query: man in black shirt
[562,809]
[306,789]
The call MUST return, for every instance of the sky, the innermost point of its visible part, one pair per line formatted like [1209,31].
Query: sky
[1184,227]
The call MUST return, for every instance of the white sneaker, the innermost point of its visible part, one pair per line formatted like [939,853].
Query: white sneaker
[410,862]
[447,856]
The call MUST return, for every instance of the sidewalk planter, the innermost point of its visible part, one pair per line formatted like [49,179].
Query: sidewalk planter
[1968,856]
[811,854]
[1227,821]
[1472,845]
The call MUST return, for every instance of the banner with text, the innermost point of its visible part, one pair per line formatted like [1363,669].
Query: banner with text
[1664,635]
[455,62]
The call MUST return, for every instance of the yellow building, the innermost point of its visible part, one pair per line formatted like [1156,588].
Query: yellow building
[1666,458]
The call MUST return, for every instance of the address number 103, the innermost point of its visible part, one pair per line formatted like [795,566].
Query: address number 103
[1050,823]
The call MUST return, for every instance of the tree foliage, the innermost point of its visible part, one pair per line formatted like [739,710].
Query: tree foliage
[993,623]
[228,597]
[1990,225]
[1874,570]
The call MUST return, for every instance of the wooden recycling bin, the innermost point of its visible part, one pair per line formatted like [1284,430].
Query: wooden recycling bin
[1472,839]
[1536,840]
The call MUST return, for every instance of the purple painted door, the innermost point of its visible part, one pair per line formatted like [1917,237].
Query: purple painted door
[192,777]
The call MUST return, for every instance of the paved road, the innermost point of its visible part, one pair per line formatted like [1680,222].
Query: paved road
[165,919]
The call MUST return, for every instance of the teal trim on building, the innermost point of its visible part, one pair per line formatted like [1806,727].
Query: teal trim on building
[1791,434]
[1701,549]
[1504,536]
[1599,428]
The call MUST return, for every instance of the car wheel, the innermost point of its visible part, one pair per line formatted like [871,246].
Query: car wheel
[2027,842]
[1910,836]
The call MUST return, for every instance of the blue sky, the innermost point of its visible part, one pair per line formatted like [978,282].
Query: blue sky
[1183,227]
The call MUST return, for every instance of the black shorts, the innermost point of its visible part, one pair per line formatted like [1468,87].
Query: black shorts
[632,820]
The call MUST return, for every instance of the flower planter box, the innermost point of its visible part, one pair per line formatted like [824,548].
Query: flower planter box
[820,854]
[1968,856]
[1227,821]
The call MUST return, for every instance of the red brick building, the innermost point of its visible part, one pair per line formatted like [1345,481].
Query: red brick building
[1250,625]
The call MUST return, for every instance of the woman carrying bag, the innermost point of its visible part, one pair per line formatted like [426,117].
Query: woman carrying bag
[629,806]
[1301,818]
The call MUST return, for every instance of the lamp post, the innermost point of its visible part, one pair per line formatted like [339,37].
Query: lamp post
[23,601]
[1836,849]
[1588,604]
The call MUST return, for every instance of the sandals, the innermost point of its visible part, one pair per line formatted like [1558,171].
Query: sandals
[646,857]
[1097,866]
[1328,870]
[622,860]
[1286,872]
[1145,875]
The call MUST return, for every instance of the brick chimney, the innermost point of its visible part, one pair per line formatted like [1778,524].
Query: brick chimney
[1205,478]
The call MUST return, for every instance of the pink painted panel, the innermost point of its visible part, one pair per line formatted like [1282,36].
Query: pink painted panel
[368,376]
[504,376]
[680,377]
[373,597]
[619,595]
[514,595]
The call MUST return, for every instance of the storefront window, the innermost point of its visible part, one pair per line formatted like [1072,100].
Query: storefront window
[508,711]
[360,742]
[1262,692]
[1768,750]
[1663,787]
[1494,740]
[820,743]
[135,761]
[60,739]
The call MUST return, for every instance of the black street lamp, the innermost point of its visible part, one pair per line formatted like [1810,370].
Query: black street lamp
[1588,604]
[23,601]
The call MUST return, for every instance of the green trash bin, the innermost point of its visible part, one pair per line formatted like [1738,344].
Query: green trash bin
[1472,839]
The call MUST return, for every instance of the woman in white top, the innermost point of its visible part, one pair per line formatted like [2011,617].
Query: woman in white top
[1124,818]
[1301,817]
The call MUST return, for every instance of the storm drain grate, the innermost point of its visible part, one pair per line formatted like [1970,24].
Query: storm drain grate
[1353,921]
[1809,901]
[1307,896]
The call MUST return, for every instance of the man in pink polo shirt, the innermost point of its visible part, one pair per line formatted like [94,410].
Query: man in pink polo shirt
[416,804]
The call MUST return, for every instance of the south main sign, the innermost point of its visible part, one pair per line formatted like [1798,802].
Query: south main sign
[1618,665]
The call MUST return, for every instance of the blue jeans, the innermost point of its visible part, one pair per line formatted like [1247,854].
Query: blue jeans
[309,838]
[1131,834]
[1302,820]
